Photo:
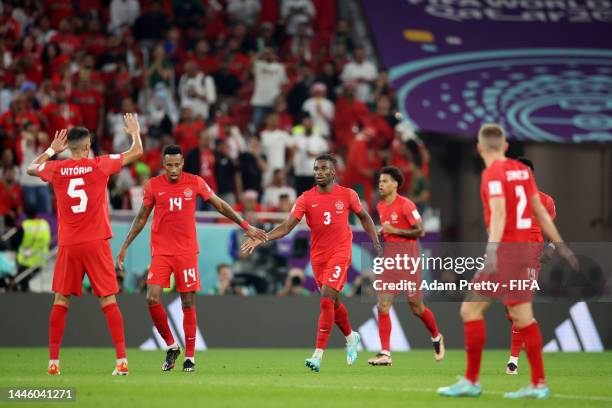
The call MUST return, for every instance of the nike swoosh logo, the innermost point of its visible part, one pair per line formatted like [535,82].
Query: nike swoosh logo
[332,280]
[162,193]
[324,330]
[314,205]
[190,284]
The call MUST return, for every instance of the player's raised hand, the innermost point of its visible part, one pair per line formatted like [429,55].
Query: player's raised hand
[60,141]
[256,234]
[132,126]
[120,259]
[249,246]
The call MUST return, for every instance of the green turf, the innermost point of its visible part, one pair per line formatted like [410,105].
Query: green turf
[264,378]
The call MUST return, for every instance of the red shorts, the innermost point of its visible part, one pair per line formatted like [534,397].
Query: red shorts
[74,261]
[332,272]
[184,267]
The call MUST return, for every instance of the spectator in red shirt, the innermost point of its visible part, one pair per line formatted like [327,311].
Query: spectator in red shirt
[68,42]
[214,26]
[201,161]
[361,165]
[94,40]
[90,102]
[13,120]
[53,60]
[383,121]
[202,56]
[58,10]
[9,27]
[10,197]
[62,114]
[350,115]
[187,132]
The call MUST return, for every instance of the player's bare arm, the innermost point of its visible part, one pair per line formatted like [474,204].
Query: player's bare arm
[278,232]
[417,231]
[370,229]
[58,145]
[137,225]
[497,224]
[550,230]
[132,128]
[224,208]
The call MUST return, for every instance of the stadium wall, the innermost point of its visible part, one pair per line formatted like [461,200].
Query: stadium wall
[273,322]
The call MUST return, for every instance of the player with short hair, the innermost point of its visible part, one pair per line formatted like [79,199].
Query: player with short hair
[327,207]
[79,184]
[510,197]
[174,246]
[536,236]
[401,226]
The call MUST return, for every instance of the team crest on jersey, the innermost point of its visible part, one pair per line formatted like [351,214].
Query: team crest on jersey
[394,216]
[188,193]
[339,205]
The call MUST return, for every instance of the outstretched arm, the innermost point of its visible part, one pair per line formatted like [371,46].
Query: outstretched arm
[224,208]
[58,145]
[137,225]
[417,230]
[132,128]
[370,229]
[280,231]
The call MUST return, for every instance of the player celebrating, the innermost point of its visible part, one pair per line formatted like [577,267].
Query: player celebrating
[84,229]
[327,207]
[509,196]
[174,247]
[401,226]
[535,235]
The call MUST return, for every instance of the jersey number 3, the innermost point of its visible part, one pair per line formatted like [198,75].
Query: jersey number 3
[80,194]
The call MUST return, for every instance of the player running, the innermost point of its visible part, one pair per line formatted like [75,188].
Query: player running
[535,235]
[174,247]
[401,226]
[327,207]
[79,184]
[509,196]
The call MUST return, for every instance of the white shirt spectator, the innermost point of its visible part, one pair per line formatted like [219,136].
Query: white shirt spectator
[307,149]
[274,144]
[244,11]
[364,70]
[303,12]
[321,119]
[234,138]
[30,152]
[6,97]
[198,93]
[272,195]
[123,13]
[269,78]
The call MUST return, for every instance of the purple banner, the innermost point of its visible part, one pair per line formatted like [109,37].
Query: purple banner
[540,68]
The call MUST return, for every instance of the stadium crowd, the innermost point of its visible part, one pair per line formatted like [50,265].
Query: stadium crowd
[252,90]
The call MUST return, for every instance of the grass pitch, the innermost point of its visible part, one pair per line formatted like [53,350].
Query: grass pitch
[271,378]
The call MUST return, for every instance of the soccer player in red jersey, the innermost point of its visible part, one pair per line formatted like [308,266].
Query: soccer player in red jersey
[174,246]
[401,226]
[535,236]
[327,207]
[510,197]
[84,228]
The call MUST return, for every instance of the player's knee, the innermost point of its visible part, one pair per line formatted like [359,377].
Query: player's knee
[417,308]
[61,300]
[468,312]
[152,299]
[188,303]
[384,307]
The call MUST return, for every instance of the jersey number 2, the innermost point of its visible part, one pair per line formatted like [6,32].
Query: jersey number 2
[74,193]
[521,222]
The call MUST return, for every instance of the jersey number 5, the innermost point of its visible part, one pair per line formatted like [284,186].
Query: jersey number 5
[521,222]
[74,193]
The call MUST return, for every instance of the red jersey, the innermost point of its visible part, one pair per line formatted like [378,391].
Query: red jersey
[401,213]
[513,181]
[535,232]
[174,230]
[81,195]
[89,102]
[327,216]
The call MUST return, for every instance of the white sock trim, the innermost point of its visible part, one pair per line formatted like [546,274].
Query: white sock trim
[51,362]
[192,359]
[513,360]
[318,353]
[173,346]
[385,352]
[437,338]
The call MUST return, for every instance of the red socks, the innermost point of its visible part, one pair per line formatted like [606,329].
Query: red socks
[429,320]
[475,333]
[326,320]
[160,320]
[517,342]
[384,330]
[114,321]
[533,348]
[189,326]
[342,319]
[57,323]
